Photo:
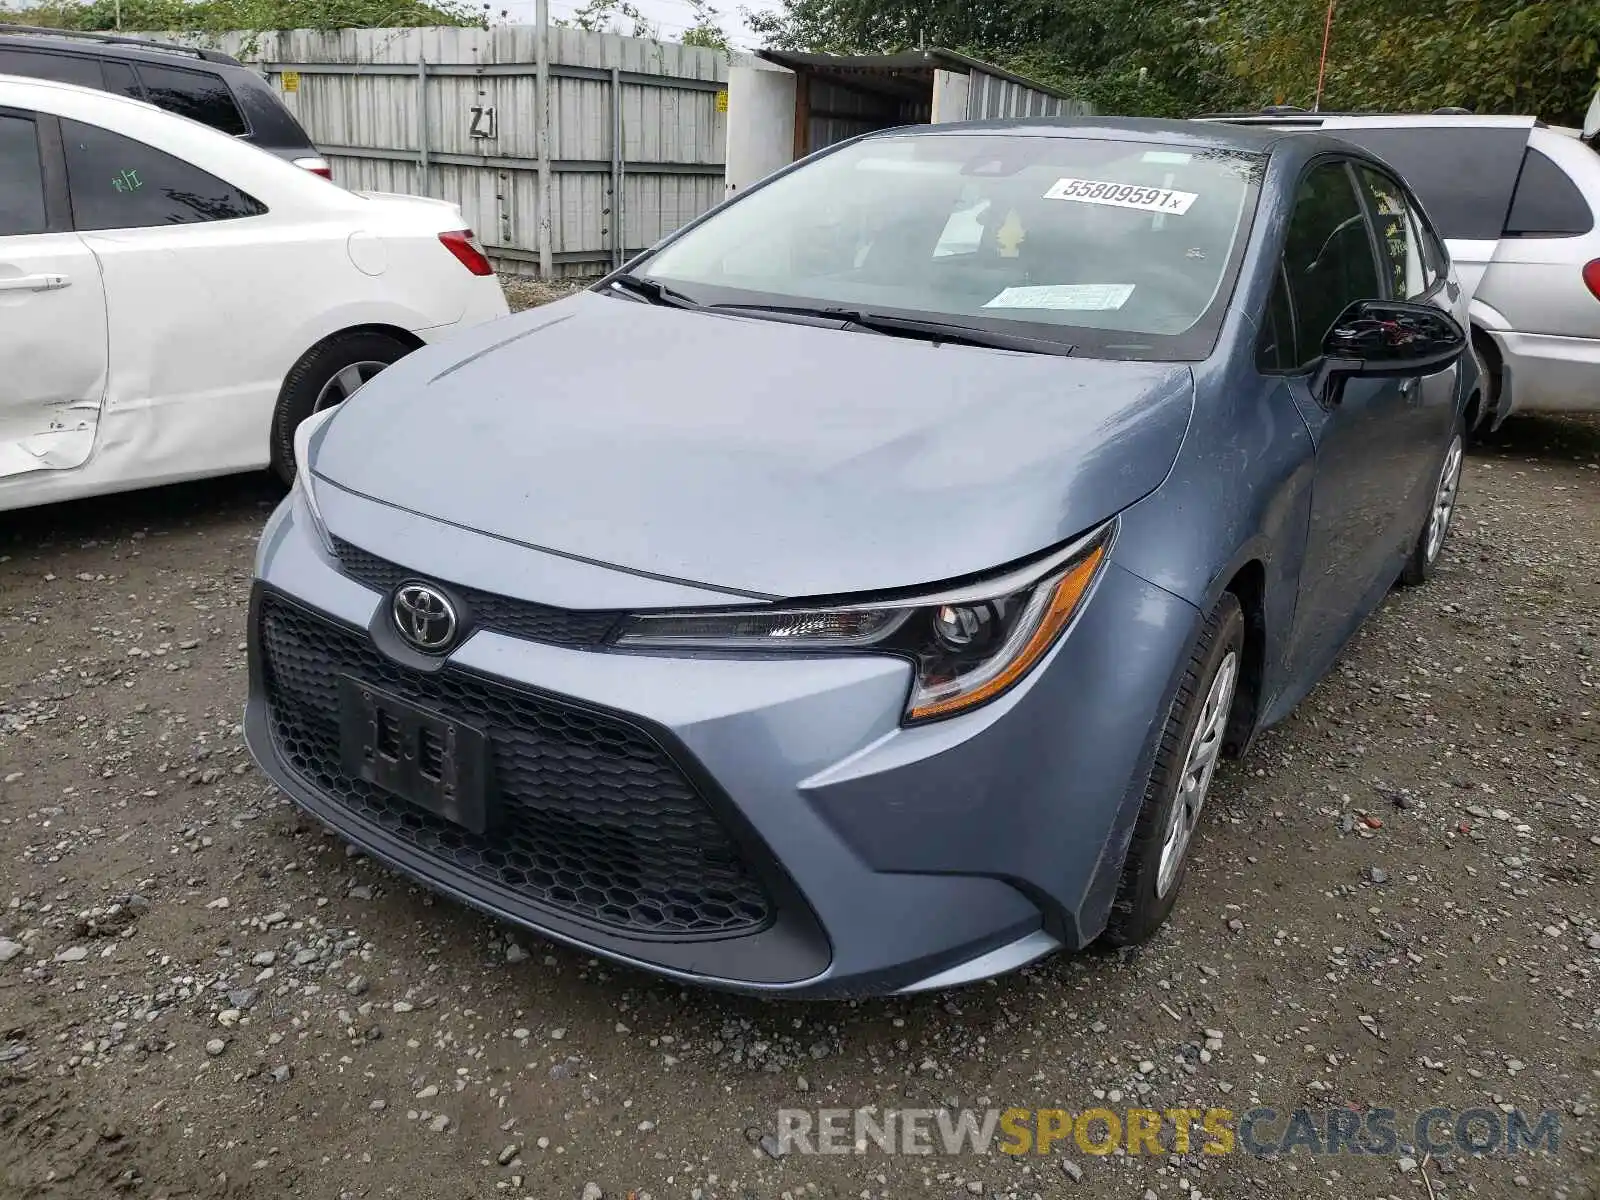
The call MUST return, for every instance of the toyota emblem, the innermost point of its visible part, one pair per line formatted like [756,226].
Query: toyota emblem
[425,617]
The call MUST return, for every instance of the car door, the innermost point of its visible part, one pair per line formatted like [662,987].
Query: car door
[1424,424]
[193,334]
[53,355]
[1328,262]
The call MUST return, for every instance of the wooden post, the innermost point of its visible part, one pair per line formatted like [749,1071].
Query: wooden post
[802,114]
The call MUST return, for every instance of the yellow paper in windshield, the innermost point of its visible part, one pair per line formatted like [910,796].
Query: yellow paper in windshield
[1010,236]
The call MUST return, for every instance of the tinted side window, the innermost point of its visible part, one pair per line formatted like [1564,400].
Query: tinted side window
[21,178]
[1327,256]
[1399,248]
[1547,203]
[119,79]
[118,183]
[1463,176]
[63,68]
[198,95]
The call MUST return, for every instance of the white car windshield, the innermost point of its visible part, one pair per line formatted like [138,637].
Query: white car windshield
[1074,239]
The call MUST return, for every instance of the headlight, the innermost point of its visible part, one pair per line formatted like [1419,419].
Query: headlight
[969,644]
[303,483]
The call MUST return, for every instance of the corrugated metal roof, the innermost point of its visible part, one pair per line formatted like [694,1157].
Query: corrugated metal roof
[917,64]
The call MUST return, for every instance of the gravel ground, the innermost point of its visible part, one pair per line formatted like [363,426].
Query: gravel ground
[1393,903]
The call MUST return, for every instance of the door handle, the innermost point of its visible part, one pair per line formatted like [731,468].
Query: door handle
[35,283]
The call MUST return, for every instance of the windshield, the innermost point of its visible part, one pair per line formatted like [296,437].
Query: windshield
[1124,249]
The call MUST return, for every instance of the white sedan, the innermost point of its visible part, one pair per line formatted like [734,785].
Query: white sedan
[174,302]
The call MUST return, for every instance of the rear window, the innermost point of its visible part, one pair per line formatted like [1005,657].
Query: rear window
[199,95]
[1547,203]
[119,183]
[1463,176]
[39,64]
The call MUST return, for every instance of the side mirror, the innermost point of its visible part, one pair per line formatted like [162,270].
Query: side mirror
[1386,339]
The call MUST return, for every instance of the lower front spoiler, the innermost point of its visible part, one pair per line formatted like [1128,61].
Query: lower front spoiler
[788,954]
[1015,948]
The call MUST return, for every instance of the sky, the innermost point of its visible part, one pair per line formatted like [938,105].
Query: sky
[672,16]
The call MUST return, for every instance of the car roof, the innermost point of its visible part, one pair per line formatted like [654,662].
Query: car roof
[1294,144]
[105,45]
[1343,120]
[1126,129]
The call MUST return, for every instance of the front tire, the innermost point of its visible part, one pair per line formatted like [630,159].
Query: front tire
[329,373]
[1186,759]
[1436,525]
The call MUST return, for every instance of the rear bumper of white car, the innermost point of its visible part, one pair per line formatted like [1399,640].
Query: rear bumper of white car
[1546,373]
[484,302]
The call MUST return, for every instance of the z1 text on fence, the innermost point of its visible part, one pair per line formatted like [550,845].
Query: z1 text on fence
[635,146]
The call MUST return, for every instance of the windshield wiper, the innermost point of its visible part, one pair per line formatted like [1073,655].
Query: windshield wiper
[652,292]
[913,327]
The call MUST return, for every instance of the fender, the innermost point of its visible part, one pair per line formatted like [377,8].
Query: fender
[368,311]
[1487,318]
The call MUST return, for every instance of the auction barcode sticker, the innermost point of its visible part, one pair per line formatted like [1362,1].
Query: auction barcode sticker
[1122,195]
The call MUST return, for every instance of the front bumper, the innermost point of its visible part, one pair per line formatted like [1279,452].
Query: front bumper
[894,859]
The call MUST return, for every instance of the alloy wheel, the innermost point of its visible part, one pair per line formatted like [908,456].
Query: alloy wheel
[1444,498]
[346,383]
[1199,764]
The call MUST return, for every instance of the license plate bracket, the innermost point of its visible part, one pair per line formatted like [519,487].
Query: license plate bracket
[434,761]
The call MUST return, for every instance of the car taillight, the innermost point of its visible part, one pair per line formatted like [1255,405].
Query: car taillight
[317,166]
[1591,277]
[469,254]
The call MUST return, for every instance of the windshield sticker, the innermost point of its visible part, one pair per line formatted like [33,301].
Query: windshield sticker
[1122,195]
[908,166]
[1073,297]
[1171,158]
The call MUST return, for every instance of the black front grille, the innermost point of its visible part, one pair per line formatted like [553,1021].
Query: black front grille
[597,820]
[485,610]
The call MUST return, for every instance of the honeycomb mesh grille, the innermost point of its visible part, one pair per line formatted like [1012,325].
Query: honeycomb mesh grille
[502,614]
[597,821]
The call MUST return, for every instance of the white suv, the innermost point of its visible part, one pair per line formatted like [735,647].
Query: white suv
[1518,204]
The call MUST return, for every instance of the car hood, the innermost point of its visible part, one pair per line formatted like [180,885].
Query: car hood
[753,456]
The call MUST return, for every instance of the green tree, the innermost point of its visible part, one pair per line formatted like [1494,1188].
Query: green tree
[1524,56]
[1143,56]
[706,28]
[611,16]
[1179,57]
[217,16]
